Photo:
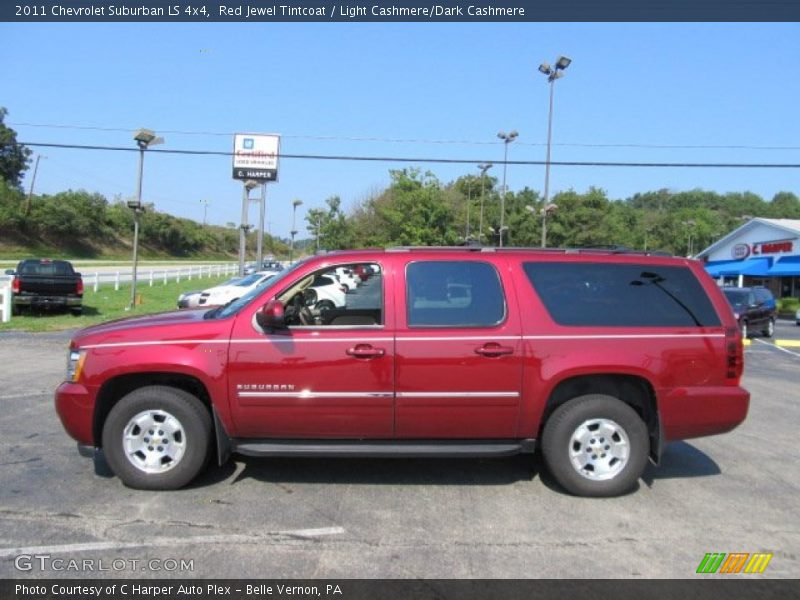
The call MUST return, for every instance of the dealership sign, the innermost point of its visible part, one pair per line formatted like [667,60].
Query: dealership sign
[742,251]
[255,156]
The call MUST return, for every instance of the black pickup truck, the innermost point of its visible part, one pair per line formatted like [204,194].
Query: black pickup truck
[44,283]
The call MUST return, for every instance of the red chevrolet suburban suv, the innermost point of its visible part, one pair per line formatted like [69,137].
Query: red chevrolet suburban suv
[596,357]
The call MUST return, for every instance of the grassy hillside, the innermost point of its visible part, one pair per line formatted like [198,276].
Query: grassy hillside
[80,224]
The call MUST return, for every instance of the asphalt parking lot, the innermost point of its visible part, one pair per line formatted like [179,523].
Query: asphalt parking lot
[380,518]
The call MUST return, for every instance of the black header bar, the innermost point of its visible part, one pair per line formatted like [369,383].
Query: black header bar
[348,11]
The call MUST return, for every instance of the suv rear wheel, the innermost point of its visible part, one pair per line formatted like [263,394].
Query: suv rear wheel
[157,438]
[595,445]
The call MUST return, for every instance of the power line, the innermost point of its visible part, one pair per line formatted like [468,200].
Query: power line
[438,160]
[378,139]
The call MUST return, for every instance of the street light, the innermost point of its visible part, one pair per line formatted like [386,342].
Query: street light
[552,73]
[546,210]
[507,139]
[144,138]
[483,167]
[295,203]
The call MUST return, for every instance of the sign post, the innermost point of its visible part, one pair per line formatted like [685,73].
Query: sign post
[255,161]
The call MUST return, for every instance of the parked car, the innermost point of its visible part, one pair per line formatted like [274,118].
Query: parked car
[755,309]
[597,359]
[271,265]
[329,293]
[231,290]
[797,317]
[192,299]
[42,283]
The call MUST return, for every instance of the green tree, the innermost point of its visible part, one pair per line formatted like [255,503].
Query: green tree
[13,156]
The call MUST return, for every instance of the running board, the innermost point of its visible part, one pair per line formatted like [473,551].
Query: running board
[383,449]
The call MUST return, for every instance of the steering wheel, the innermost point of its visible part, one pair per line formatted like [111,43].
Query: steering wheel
[305,316]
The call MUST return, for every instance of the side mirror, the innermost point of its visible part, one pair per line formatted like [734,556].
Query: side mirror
[10,272]
[271,315]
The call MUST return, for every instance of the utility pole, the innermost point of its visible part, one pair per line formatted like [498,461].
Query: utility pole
[33,181]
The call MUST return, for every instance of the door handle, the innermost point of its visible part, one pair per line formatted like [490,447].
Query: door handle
[365,351]
[492,349]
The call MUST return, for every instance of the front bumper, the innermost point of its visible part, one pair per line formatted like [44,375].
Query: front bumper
[75,408]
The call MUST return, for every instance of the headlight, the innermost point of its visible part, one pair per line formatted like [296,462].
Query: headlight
[75,360]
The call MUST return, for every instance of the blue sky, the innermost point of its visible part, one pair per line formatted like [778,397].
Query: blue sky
[655,83]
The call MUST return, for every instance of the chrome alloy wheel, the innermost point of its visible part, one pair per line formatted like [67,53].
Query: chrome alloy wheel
[154,441]
[599,449]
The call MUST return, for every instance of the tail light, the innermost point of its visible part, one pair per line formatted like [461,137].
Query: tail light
[734,355]
[15,285]
[79,291]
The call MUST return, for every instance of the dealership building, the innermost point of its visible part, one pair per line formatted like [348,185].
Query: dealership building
[760,252]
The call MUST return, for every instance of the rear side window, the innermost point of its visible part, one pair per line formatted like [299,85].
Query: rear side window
[621,295]
[453,294]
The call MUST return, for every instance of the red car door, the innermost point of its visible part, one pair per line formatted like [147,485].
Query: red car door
[331,378]
[459,350]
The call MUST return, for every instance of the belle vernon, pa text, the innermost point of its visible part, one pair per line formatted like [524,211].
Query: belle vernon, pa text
[276,10]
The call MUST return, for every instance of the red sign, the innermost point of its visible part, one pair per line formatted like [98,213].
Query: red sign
[773,247]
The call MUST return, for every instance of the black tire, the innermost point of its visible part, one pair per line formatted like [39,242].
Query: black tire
[15,310]
[769,330]
[565,421]
[191,414]
[324,305]
[77,311]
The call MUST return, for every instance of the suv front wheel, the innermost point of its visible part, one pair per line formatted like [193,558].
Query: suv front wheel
[157,438]
[595,445]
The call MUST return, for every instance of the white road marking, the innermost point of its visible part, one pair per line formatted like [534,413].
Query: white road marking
[797,354]
[175,541]
[26,395]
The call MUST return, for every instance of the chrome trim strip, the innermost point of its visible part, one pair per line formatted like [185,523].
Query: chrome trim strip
[457,394]
[310,394]
[367,340]
[624,336]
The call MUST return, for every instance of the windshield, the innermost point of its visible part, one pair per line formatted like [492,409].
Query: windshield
[237,305]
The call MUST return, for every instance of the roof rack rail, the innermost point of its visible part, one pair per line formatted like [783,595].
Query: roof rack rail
[472,247]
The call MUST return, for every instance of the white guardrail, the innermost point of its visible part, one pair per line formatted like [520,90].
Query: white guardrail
[152,276]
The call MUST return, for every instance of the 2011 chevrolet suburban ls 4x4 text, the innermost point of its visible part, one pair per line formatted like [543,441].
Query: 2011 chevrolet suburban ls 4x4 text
[598,358]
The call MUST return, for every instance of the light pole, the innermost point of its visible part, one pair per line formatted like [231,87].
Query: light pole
[205,210]
[469,201]
[546,210]
[552,73]
[507,139]
[144,138]
[483,167]
[295,203]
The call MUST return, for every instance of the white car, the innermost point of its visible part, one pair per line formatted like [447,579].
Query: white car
[192,299]
[227,292]
[330,293]
[347,278]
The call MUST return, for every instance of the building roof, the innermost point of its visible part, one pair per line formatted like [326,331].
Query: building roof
[791,226]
